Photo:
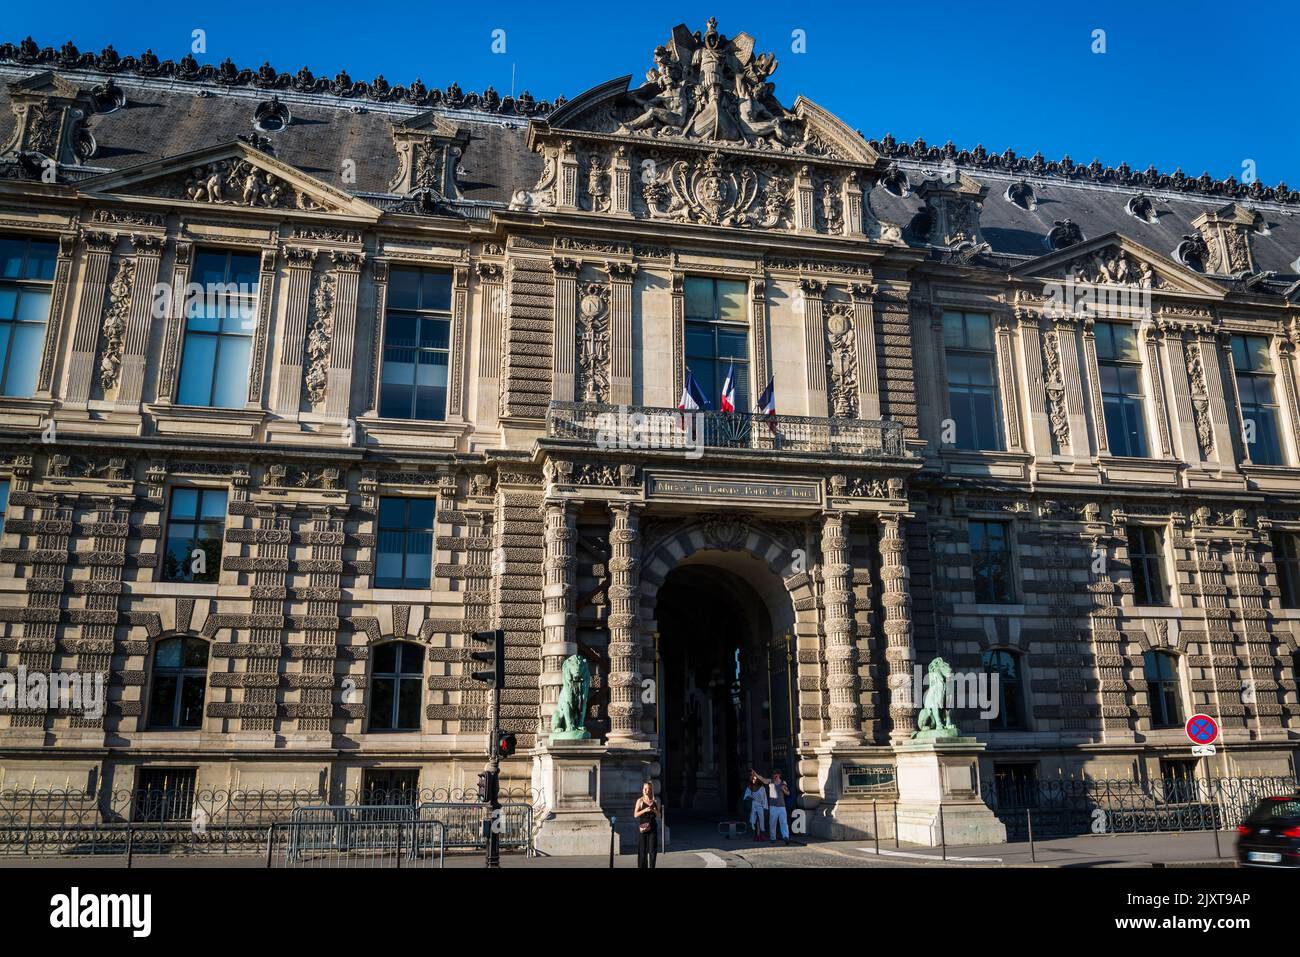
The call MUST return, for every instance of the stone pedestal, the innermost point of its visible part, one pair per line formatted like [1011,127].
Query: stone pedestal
[568,774]
[943,775]
[842,814]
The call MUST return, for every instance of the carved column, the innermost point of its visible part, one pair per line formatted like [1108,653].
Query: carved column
[568,180]
[1094,384]
[297,308]
[558,614]
[805,215]
[1205,347]
[135,342]
[491,278]
[625,625]
[864,325]
[90,304]
[563,381]
[54,325]
[621,276]
[841,631]
[1286,350]
[1067,342]
[459,304]
[758,315]
[1041,357]
[377,335]
[342,358]
[814,345]
[854,220]
[1166,446]
[265,299]
[1010,389]
[175,323]
[621,183]
[897,602]
[679,333]
[1175,357]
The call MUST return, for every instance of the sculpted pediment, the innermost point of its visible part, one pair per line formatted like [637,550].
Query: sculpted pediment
[1115,260]
[234,175]
[704,140]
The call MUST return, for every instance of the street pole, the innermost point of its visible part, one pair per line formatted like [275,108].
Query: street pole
[493,769]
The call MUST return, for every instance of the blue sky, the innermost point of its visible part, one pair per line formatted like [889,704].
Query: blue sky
[1201,85]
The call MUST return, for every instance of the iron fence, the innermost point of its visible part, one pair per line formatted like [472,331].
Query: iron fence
[1091,806]
[340,837]
[150,821]
[641,427]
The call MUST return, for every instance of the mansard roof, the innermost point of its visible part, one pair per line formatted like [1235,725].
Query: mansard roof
[340,133]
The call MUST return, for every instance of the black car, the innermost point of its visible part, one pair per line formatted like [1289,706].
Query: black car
[1270,836]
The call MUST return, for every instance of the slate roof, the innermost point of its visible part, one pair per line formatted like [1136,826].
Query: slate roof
[178,108]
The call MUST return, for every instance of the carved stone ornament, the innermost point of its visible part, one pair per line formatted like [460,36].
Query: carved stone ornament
[237,182]
[1054,384]
[592,343]
[1200,399]
[717,191]
[842,360]
[319,337]
[1112,265]
[723,530]
[114,327]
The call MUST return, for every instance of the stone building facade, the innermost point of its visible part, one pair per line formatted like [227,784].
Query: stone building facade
[1036,417]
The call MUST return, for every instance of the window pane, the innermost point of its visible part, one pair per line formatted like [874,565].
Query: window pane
[196,370]
[24,359]
[232,372]
[167,654]
[731,301]
[699,298]
[8,303]
[386,658]
[34,305]
[11,257]
[214,504]
[41,259]
[404,289]
[954,334]
[381,705]
[192,687]
[979,333]
[185,503]
[408,709]
[733,344]
[162,706]
[435,290]
[392,513]
[421,513]
[699,342]
[196,653]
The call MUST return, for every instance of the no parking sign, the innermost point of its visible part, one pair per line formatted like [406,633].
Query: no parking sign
[1202,731]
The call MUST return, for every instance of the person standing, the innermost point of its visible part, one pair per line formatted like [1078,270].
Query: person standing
[778,792]
[757,803]
[646,814]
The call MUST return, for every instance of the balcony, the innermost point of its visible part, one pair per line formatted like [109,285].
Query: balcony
[632,427]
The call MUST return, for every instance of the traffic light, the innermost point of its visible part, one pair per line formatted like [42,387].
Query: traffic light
[505,743]
[488,787]
[496,658]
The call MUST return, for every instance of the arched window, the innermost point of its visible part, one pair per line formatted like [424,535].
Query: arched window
[1163,691]
[180,681]
[396,687]
[1010,688]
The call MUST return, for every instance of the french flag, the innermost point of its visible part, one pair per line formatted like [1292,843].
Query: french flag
[729,390]
[693,398]
[767,404]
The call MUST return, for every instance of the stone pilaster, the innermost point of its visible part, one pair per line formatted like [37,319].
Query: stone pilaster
[135,343]
[564,363]
[54,326]
[491,309]
[265,303]
[342,358]
[625,625]
[1175,359]
[1094,384]
[1007,370]
[814,323]
[86,332]
[864,324]
[175,328]
[841,632]
[621,276]
[897,602]
[559,639]
[297,309]
[1067,342]
[759,318]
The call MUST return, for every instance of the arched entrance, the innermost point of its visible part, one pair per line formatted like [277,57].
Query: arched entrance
[724,615]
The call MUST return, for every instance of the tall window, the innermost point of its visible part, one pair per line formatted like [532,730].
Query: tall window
[1286,555]
[196,522]
[1259,410]
[4,504]
[180,679]
[1163,693]
[990,555]
[417,345]
[1120,368]
[1011,689]
[717,335]
[1147,555]
[396,687]
[405,543]
[972,378]
[219,325]
[26,281]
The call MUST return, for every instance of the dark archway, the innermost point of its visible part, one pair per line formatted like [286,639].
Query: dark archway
[722,713]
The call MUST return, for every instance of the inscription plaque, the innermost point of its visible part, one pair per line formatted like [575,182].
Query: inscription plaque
[731,490]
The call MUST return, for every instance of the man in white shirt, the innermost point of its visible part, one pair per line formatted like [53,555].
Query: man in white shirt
[757,803]
[775,793]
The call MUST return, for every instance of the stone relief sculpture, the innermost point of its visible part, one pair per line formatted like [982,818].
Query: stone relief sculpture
[319,337]
[717,192]
[1114,266]
[1054,385]
[592,342]
[240,183]
[1200,399]
[842,360]
[568,721]
[115,316]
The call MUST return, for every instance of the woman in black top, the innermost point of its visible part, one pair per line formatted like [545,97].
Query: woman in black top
[646,815]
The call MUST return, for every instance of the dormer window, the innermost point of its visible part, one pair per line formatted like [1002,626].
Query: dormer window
[109,97]
[271,116]
[895,182]
[1141,207]
[1064,234]
[1022,194]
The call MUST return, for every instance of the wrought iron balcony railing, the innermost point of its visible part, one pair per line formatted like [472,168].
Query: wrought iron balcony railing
[644,427]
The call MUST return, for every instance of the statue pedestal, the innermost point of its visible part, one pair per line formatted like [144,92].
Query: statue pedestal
[568,775]
[941,775]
